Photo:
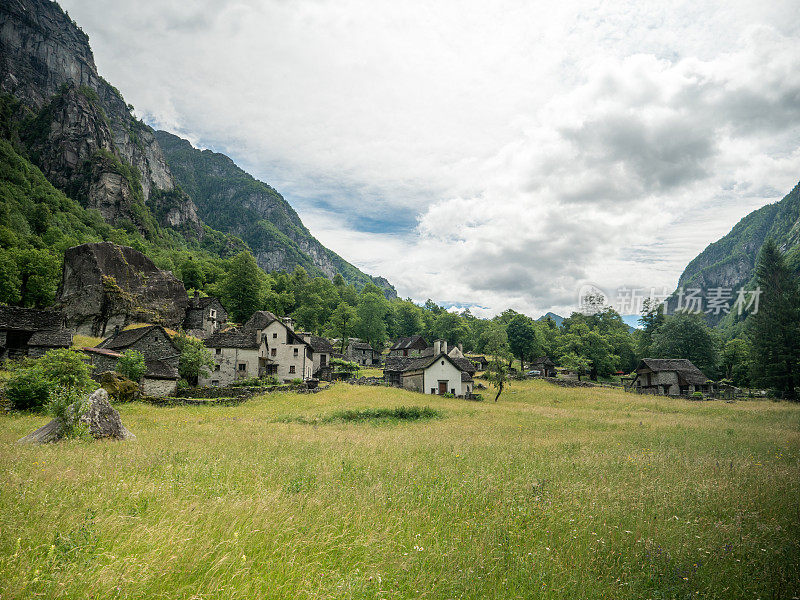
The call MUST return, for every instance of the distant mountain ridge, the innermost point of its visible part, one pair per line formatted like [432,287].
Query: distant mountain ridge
[233,201]
[730,261]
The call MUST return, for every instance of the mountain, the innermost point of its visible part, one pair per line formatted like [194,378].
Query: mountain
[730,261]
[58,114]
[233,201]
[557,318]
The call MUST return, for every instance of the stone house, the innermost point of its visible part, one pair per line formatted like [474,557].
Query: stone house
[545,366]
[265,346]
[204,316]
[437,374]
[408,346]
[161,356]
[323,352]
[669,377]
[362,353]
[481,362]
[18,326]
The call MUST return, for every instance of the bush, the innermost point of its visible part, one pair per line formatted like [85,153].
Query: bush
[131,365]
[67,406]
[30,386]
[697,396]
[28,390]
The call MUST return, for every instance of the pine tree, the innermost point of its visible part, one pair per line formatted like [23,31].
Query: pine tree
[775,327]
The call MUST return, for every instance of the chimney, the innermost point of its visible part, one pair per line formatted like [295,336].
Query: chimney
[444,346]
[437,348]
[196,301]
[461,348]
[116,330]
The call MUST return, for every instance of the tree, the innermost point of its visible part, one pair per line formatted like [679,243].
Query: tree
[408,318]
[371,312]
[775,328]
[10,280]
[687,335]
[496,346]
[576,363]
[241,289]
[651,321]
[131,365]
[39,272]
[341,323]
[192,274]
[32,385]
[195,360]
[589,345]
[451,327]
[522,338]
[736,361]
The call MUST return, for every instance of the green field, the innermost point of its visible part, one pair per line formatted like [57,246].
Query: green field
[550,493]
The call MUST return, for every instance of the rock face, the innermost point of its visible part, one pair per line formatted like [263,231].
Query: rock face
[106,286]
[78,129]
[729,263]
[102,419]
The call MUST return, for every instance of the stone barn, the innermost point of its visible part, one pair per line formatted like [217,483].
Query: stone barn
[669,377]
[19,326]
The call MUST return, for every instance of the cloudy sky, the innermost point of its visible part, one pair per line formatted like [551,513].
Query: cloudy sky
[485,154]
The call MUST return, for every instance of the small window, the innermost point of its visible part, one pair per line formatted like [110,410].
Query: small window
[218,351]
[273,352]
[215,382]
[216,367]
[453,391]
[442,363]
[291,369]
[295,352]
[433,390]
[242,366]
[212,313]
[274,336]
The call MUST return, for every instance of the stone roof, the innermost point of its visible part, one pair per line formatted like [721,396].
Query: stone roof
[261,319]
[361,346]
[244,338]
[682,366]
[466,377]
[415,341]
[543,360]
[320,344]
[51,338]
[415,363]
[127,338]
[30,319]
[464,364]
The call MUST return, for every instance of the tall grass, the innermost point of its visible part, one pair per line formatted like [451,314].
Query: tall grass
[550,493]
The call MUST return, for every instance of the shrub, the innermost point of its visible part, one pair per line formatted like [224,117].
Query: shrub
[697,396]
[297,381]
[28,390]
[30,386]
[196,359]
[67,406]
[131,365]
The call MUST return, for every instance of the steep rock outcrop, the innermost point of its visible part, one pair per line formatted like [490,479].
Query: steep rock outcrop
[46,63]
[105,286]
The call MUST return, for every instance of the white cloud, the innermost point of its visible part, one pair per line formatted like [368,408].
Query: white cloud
[538,145]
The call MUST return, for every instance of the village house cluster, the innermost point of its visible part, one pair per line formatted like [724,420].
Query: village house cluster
[267,346]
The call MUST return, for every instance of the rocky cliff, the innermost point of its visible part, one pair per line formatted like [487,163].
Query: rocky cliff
[75,126]
[233,201]
[730,261]
[105,285]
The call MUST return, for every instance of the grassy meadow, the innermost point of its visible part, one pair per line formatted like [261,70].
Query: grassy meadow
[550,493]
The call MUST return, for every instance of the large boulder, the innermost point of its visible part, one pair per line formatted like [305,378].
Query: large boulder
[106,286]
[103,421]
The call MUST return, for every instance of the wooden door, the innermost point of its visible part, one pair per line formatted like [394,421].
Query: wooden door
[442,387]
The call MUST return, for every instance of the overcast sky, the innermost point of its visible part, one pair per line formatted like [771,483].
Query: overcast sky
[485,154]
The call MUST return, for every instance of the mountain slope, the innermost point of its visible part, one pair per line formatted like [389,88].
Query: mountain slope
[232,201]
[730,261]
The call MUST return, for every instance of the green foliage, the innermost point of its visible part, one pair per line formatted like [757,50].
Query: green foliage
[30,387]
[195,360]
[775,329]
[736,361]
[685,335]
[67,406]
[241,288]
[371,314]
[192,274]
[523,338]
[27,389]
[342,322]
[131,365]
